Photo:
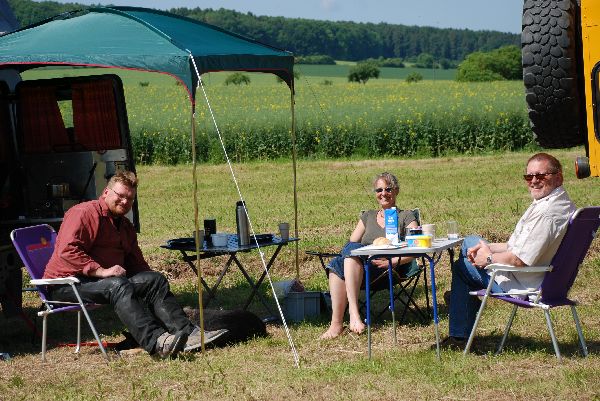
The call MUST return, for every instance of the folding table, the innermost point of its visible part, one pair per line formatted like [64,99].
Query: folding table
[187,248]
[432,254]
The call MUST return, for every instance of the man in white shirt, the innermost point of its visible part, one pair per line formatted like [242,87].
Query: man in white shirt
[534,242]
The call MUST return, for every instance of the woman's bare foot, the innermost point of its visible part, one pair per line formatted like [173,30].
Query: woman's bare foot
[333,332]
[357,326]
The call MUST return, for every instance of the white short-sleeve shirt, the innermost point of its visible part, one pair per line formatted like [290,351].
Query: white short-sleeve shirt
[536,238]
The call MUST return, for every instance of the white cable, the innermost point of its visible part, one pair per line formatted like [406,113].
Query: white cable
[262,256]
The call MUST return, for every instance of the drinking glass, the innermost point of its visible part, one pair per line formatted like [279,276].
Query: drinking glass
[452,229]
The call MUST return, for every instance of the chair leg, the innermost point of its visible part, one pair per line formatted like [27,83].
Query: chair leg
[488,290]
[477,318]
[507,329]
[89,320]
[552,335]
[415,310]
[78,348]
[408,299]
[44,333]
[579,331]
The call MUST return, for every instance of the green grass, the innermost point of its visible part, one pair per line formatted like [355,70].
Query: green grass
[485,194]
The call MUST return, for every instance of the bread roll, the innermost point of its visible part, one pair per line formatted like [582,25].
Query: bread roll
[381,241]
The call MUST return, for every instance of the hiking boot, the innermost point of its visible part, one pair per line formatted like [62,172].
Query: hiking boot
[194,339]
[169,345]
[452,343]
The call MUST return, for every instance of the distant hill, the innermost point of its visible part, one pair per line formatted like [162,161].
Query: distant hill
[340,40]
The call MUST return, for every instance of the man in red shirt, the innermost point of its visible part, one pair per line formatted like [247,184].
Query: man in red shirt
[98,245]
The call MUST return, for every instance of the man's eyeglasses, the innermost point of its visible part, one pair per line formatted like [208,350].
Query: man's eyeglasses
[386,189]
[121,196]
[539,176]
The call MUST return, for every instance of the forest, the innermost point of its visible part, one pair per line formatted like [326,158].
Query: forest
[340,40]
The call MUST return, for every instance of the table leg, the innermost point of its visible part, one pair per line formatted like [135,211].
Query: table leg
[451,254]
[368,293]
[261,279]
[434,301]
[190,261]
[391,306]
[253,286]
[212,292]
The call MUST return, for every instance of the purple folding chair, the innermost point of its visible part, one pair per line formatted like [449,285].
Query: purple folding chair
[557,281]
[35,246]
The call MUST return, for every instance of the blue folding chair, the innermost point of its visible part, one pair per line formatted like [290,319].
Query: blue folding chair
[35,246]
[557,281]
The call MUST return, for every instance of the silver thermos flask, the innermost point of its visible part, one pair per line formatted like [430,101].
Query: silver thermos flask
[243,227]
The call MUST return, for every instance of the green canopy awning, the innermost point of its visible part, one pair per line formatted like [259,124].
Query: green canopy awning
[142,39]
[149,40]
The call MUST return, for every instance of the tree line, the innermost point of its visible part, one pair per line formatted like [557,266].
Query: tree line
[340,40]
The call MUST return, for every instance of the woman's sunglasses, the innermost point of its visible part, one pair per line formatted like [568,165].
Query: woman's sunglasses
[386,189]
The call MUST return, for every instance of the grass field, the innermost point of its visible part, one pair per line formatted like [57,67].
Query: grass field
[485,194]
[334,118]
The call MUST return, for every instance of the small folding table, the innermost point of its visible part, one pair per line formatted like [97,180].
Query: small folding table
[187,248]
[432,254]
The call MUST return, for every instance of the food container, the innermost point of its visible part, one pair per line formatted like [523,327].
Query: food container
[219,240]
[415,231]
[419,241]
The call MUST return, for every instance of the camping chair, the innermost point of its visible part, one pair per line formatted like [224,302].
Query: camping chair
[35,246]
[558,279]
[405,284]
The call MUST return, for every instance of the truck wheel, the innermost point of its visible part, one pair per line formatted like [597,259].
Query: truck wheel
[553,81]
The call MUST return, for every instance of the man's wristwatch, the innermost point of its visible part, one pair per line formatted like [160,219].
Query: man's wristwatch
[489,259]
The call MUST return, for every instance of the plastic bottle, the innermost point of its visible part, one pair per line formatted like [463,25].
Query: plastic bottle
[241,221]
[390,217]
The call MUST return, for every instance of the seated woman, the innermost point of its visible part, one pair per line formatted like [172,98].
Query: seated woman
[346,272]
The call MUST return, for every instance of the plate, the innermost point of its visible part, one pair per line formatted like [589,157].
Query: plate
[383,247]
[181,242]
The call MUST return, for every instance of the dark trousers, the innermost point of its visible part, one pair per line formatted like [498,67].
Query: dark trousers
[144,303]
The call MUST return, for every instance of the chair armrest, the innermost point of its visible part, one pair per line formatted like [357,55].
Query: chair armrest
[526,269]
[509,293]
[55,281]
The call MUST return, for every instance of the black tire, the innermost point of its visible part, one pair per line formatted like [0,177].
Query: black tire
[553,80]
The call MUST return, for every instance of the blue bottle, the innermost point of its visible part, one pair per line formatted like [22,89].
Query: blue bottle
[391,224]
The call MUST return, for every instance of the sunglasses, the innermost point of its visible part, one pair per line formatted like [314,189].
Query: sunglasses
[539,176]
[386,189]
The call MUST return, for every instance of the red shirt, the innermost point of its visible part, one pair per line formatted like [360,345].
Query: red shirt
[88,239]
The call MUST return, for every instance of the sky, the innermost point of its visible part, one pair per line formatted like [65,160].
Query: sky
[496,15]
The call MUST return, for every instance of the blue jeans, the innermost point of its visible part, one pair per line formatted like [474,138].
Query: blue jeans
[465,278]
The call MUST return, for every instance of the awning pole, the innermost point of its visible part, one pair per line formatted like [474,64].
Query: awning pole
[237,186]
[198,240]
[295,179]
